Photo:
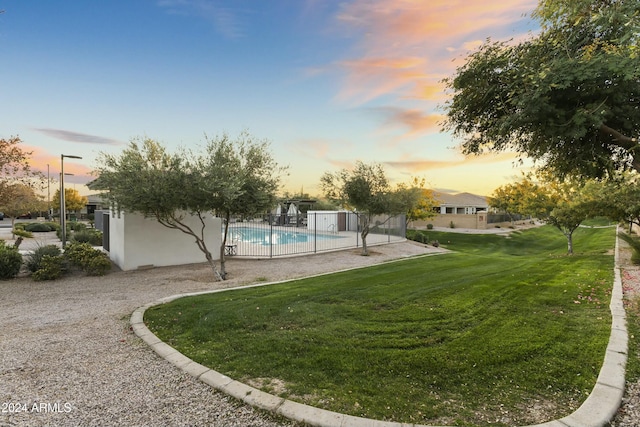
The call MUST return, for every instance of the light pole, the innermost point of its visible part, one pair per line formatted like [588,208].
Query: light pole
[63,215]
[48,195]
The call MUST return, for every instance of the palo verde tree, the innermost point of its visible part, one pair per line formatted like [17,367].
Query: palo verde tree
[229,178]
[568,98]
[366,191]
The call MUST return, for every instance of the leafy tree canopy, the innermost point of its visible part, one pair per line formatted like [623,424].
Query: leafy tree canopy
[73,201]
[15,169]
[563,203]
[365,190]
[568,97]
[231,177]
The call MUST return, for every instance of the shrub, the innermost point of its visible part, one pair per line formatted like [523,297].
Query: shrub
[452,225]
[22,233]
[98,264]
[75,252]
[59,231]
[93,261]
[10,261]
[38,227]
[429,226]
[54,225]
[33,263]
[78,226]
[50,268]
[93,237]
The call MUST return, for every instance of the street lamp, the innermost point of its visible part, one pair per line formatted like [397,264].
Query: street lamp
[63,208]
[48,195]
[63,215]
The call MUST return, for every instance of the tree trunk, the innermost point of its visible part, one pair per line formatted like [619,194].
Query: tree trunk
[223,245]
[569,243]
[364,233]
[212,263]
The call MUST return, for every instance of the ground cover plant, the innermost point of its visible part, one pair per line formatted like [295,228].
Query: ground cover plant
[502,330]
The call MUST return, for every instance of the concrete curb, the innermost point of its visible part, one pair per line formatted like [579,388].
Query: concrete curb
[597,410]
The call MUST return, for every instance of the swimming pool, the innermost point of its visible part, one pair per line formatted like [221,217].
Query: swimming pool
[267,236]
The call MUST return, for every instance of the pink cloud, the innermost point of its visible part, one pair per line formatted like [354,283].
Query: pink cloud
[415,166]
[406,46]
[40,158]
[416,121]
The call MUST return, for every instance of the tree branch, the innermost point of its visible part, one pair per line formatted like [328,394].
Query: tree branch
[619,139]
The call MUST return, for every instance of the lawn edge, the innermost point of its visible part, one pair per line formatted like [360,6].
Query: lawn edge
[597,410]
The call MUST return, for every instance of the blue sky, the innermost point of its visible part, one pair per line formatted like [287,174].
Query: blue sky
[327,82]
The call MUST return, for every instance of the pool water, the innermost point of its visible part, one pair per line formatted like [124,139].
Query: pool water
[266,236]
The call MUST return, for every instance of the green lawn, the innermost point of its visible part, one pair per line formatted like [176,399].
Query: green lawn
[498,330]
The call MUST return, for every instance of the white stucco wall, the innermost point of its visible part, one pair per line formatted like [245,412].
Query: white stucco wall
[136,242]
[327,221]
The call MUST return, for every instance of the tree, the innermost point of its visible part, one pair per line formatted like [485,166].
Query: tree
[619,199]
[565,204]
[236,177]
[417,202]
[23,199]
[231,177]
[73,201]
[15,169]
[567,98]
[365,190]
[518,198]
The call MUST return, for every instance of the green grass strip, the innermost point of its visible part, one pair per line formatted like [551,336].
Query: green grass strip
[497,331]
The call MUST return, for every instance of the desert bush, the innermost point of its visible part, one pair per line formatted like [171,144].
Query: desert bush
[50,268]
[93,237]
[77,226]
[10,261]
[38,227]
[59,231]
[34,260]
[98,264]
[93,261]
[22,232]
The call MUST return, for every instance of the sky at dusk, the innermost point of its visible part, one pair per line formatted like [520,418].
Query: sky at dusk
[326,82]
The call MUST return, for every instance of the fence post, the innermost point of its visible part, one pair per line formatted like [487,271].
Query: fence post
[270,236]
[315,231]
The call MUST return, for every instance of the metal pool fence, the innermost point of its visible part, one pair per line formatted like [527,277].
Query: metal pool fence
[282,235]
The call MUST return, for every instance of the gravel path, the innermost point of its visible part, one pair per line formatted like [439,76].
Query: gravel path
[68,357]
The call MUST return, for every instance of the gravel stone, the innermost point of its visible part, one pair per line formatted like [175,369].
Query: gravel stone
[68,356]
